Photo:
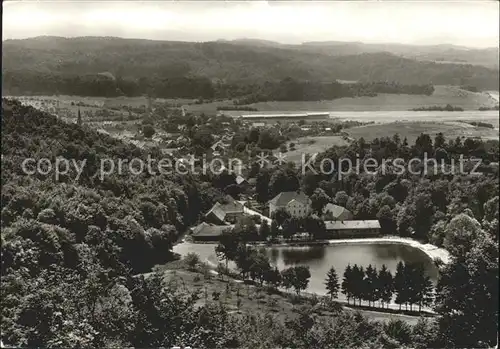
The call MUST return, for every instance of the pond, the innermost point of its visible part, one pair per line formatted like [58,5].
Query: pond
[321,258]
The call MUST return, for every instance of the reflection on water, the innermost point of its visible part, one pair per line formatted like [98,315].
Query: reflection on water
[297,255]
[321,258]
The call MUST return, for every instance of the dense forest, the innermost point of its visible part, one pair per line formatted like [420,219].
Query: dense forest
[66,66]
[103,85]
[72,249]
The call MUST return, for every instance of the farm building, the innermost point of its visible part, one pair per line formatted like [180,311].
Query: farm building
[336,213]
[353,229]
[208,232]
[229,211]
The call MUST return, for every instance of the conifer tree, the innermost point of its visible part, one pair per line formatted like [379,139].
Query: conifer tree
[347,283]
[332,283]
[386,285]
[400,285]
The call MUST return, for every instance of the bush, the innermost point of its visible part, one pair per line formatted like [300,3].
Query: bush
[192,260]
[148,131]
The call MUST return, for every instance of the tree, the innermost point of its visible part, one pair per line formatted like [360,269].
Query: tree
[264,230]
[424,334]
[467,292]
[280,216]
[400,286]
[424,289]
[227,248]
[385,284]
[148,130]
[289,228]
[370,284]
[332,283]
[244,260]
[296,277]
[246,229]
[301,280]
[259,266]
[358,275]
[439,141]
[262,186]
[341,198]
[192,260]
[399,330]
[272,277]
[287,278]
[347,285]
[387,222]
[319,199]
[460,234]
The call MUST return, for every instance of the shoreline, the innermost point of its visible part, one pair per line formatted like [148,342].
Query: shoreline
[433,252]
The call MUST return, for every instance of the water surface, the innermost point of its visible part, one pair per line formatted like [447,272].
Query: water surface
[321,258]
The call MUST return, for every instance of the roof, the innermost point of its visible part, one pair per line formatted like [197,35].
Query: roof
[352,225]
[240,180]
[205,229]
[217,211]
[282,199]
[221,210]
[339,213]
[231,205]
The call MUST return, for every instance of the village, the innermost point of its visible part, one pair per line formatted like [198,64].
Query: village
[336,222]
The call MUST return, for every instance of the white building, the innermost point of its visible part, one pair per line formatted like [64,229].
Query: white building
[297,204]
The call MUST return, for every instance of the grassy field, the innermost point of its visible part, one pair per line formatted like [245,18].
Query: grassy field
[112,101]
[311,145]
[383,102]
[243,298]
[411,130]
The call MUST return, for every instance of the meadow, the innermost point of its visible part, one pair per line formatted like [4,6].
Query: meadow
[383,102]
[312,145]
[411,130]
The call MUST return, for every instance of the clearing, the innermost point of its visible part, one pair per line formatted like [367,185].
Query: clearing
[383,102]
[411,130]
[311,145]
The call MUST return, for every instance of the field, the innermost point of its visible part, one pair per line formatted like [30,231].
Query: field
[251,299]
[383,102]
[311,145]
[411,130]
[111,101]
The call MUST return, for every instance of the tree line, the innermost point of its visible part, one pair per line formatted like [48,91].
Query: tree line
[410,285]
[196,87]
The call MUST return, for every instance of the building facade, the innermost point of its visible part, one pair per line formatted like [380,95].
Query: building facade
[353,229]
[297,204]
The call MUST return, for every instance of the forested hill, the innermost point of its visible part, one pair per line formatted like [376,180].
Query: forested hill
[142,214]
[31,64]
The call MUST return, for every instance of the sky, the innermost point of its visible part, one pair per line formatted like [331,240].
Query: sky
[467,23]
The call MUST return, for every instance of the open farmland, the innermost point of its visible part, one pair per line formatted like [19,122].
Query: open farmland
[411,130]
[383,102]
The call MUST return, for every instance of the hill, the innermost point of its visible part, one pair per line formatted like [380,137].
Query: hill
[51,60]
[487,57]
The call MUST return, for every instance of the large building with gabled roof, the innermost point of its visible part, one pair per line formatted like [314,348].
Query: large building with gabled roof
[209,232]
[229,211]
[296,203]
[336,213]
